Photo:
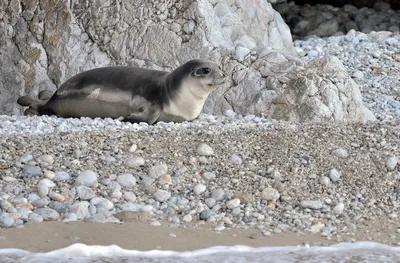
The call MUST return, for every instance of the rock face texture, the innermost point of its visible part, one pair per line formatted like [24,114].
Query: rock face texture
[44,42]
[320,90]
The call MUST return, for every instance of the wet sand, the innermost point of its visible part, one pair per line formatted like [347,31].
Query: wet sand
[47,236]
[142,236]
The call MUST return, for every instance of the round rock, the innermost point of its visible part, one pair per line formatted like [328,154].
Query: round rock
[199,189]
[162,195]
[204,149]
[32,171]
[340,153]
[135,161]
[87,178]
[126,180]
[312,204]
[270,194]
[47,214]
[334,175]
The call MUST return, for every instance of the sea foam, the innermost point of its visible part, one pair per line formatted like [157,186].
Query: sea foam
[343,252]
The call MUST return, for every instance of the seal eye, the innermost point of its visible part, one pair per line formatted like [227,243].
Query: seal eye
[203,71]
[206,70]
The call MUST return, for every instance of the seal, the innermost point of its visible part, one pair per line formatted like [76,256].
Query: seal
[131,94]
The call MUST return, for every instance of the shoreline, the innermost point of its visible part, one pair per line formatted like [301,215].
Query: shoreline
[142,236]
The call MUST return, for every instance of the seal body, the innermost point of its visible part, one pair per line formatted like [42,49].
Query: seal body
[132,94]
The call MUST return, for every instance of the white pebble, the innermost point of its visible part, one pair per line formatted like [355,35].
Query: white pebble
[56,197]
[87,178]
[126,180]
[231,204]
[338,209]
[204,149]
[334,175]
[199,189]
[392,163]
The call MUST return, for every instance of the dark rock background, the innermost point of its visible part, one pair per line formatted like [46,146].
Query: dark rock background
[395,4]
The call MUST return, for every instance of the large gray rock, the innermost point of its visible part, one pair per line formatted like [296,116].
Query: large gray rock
[288,89]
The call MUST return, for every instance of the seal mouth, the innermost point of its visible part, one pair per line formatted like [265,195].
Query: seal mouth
[217,82]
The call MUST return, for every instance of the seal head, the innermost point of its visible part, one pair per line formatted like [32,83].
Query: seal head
[189,86]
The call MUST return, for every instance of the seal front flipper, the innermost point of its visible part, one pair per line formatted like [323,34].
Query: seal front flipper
[149,115]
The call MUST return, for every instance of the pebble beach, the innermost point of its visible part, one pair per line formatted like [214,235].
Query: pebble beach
[277,183]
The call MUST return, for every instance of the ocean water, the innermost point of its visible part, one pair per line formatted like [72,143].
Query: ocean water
[343,252]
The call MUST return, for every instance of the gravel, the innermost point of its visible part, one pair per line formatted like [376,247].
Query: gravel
[335,175]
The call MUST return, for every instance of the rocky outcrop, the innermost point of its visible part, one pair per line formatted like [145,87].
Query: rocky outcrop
[320,90]
[45,42]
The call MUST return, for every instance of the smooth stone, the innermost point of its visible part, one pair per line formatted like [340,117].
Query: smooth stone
[6,205]
[209,176]
[162,195]
[313,204]
[135,161]
[46,159]
[218,194]
[147,208]
[87,178]
[129,207]
[102,202]
[156,171]
[234,158]
[147,181]
[56,196]
[204,149]
[334,175]
[205,215]
[43,190]
[58,206]
[392,163]
[338,209]
[231,204]
[33,171]
[61,176]
[35,218]
[6,220]
[85,193]
[270,194]
[210,202]
[325,181]
[81,209]
[70,217]
[229,113]
[129,196]
[126,180]
[133,148]
[26,158]
[42,202]
[48,214]
[199,189]
[47,182]
[340,153]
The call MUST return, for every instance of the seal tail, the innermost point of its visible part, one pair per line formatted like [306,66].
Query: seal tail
[36,106]
[46,95]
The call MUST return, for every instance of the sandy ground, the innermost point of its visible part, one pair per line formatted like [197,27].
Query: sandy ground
[44,237]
